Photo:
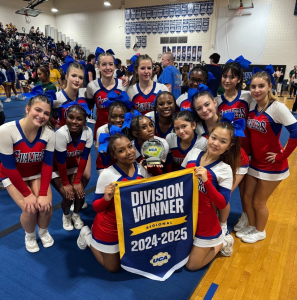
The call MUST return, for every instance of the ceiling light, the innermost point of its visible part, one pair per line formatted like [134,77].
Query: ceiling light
[54,10]
[107,3]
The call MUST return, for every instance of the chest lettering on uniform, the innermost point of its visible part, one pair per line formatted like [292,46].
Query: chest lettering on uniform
[257,125]
[239,113]
[100,101]
[143,106]
[28,157]
[74,153]
[178,160]
[202,188]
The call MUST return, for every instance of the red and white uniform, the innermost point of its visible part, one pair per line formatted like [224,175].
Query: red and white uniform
[183,101]
[177,156]
[97,92]
[104,229]
[159,133]
[240,107]
[217,190]
[62,98]
[144,103]
[22,160]
[264,131]
[201,129]
[71,157]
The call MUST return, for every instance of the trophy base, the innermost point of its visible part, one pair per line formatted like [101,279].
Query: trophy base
[152,161]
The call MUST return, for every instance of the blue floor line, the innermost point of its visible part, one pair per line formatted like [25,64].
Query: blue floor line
[211,291]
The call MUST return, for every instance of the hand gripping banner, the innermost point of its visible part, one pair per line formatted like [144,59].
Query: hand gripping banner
[156,220]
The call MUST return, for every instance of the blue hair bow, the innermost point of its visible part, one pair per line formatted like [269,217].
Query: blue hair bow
[104,137]
[244,63]
[82,104]
[186,108]
[133,59]
[210,77]
[69,60]
[38,90]
[100,51]
[123,97]
[268,69]
[239,125]
[201,88]
[128,118]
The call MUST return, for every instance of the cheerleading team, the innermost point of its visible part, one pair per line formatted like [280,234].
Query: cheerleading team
[26,152]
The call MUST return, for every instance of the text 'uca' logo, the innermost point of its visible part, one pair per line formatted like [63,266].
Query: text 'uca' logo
[160,259]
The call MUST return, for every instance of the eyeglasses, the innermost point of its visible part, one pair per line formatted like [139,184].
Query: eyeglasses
[197,80]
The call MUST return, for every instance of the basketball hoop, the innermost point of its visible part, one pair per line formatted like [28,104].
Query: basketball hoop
[27,19]
[239,11]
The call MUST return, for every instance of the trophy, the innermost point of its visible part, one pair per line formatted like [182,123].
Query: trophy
[154,151]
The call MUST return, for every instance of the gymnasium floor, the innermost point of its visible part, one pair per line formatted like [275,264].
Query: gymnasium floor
[265,270]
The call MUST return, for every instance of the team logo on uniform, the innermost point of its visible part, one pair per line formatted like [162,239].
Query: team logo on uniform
[160,259]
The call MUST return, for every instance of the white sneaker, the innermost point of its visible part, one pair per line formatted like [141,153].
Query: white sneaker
[31,244]
[91,121]
[46,239]
[244,231]
[228,249]
[81,241]
[254,236]
[23,98]
[225,229]
[85,205]
[2,186]
[16,97]
[7,100]
[242,223]
[67,223]
[77,221]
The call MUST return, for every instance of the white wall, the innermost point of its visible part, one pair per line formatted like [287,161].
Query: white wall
[8,9]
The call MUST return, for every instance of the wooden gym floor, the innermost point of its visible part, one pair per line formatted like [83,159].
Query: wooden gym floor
[267,269]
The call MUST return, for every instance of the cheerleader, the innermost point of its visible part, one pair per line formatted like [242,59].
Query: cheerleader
[215,170]
[6,82]
[144,90]
[73,144]
[269,164]
[237,101]
[97,90]
[103,237]
[183,140]
[26,152]
[12,77]
[164,108]
[198,79]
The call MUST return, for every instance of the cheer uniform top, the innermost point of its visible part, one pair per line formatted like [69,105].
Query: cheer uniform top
[62,98]
[201,129]
[217,190]
[98,93]
[104,229]
[158,131]
[144,103]
[71,157]
[177,155]
[240,107]
[183,101]
[264,130]
[23,160]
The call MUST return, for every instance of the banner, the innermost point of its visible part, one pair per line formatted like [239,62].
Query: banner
[156,220]
[127,14]
[194,51]
[192,25]
[171,11]
[177,10]
[189,53]
[184,9]
[198,26]
[199,54]
[209,8]
[205,24]
[174,52]
[138,27]
[137,13]
[138,41]
[184,53]
[164,50]
[155,12]
[165,11]
[160,27]
[132,28]
[128,42]
[160,12]
[202,8]
[166,26]
[132,14]
[128,28]
[143,41]
[178,26]
[149,27]
[143,13]
[154,27]
[185,25]
[190,9]
[172,26]
[178,54]
[191,66]
[196,9]
[149,13]
[143,27]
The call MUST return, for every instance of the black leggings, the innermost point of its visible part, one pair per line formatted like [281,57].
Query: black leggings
[2,118]
[293,89]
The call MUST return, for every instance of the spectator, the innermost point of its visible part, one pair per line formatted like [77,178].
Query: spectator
[216,70]
[118,73]
[55,76]
[43,74]
[90,69]
[293,88]
[67,47]
[157,71]
[170,75]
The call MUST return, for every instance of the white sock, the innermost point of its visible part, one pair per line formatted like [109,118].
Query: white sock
[244,215]
[223,224]
[33,234]
[41,231]
[74,214]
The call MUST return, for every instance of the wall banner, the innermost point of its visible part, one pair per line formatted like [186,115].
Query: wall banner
[192,25]
[155,12]
[184,9]
[198,26]
[149,13]
[138,27]
[166,26]
[143,41]
[172,26]
[160,12]
[156,220]
[128,28]
[128,42]
[165,11]
[160,27]
[178,26]
[137,13]
[171,11]
[143,13]
[132,27]
[185,25]
[189,53]
[205,24]
[177,10]
[190,9]
[149,27]
[184,53]
[132,14]
[143,27]
[194,51]
[196,9]
[178,53]
[154,27]
[127,14]
[209,8]
[203,8]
